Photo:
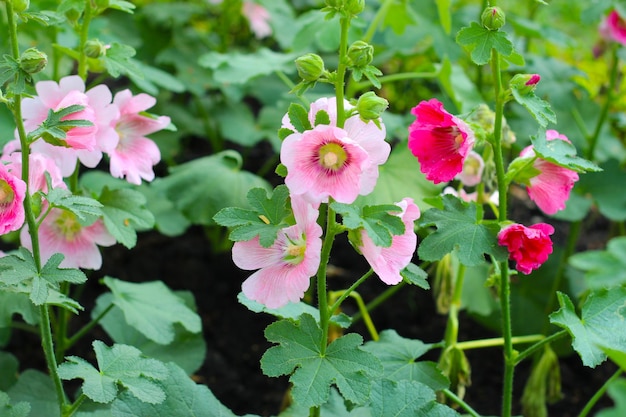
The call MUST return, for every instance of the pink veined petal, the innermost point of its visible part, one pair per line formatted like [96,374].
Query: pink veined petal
[133,159]
[250,255]
[550,189]
[64,158]
[34,109]
[275,286]
[71,83]
[12,213]
[49,93]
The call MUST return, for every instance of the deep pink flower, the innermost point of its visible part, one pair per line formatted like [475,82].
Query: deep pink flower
[258,17]
[285,268]
[388,262]
[439,140]
[614,28]
[528,246]
[135,155]
[61,232]
[325,162]
[550,189]
[12,193]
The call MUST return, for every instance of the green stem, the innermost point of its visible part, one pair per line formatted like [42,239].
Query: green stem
[452,326]
[394,77]
[377,20]
[322,295]
[593,140]
[84,34]
[72,409]
[216,143]
[48,348]
[465,406]
[367,319]
[593,400]
[68,343]
[341,71]
[379,300]
[540,344]
[346,293]
[498,341]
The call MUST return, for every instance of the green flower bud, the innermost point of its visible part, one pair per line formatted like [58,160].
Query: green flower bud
[335,4]
[20,5]
[310,67]
[354,7]
[33,60]
[370,106]
[493,18]
[94,48]
[525,83]
[360,54]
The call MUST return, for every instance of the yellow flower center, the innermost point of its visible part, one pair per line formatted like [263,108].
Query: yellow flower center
[67,224]
[7,195]
[471,166]
[332,156]
[294,252]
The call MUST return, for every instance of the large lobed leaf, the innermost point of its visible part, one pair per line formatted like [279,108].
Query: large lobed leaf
[480,41]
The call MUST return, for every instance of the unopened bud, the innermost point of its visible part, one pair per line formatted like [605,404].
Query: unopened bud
[20,5]
[94,48]
[370,106]
[525,83]
[310,67]
[493,18]
[33,60]
[360,54]
[354,7]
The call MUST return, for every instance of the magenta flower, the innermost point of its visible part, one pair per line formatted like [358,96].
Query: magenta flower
[388,262]
[12,193]
[614,28]
[530,246]
[135,155]
[550,189]
[61,232]
[285,268]
[325,162]
[439,140]
[258,17]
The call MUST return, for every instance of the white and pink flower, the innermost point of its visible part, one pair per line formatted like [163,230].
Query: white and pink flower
[388,262]
[258,17]
[12,194]
[285,268]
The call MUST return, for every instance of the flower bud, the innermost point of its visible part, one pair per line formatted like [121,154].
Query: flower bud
[354,7]
[335,4]
[20,5]
[370,106]
[360,54]
[33,60]
[310,67]
[525,83]
[94,48]
[493,18]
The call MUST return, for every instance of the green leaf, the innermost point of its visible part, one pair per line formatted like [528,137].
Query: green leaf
[183,398]
[124,213]
[322,118]
[118,364]
[299,117]
[187,349]
[537,107]
[118,61]
[617,391]
[480,41]
[378,221]
[312,374]
[601,323]
[239,68]
[81,207]
[283,132]
[562,153]
[416,276]
[399,355]
[152,308]
[600,188]
[9,366]
[603,268]
[265,219]
[124,6]
[53,129]
[406,399]
[15,302]
[21,409]
[458,229]
[443,7]
[36,389]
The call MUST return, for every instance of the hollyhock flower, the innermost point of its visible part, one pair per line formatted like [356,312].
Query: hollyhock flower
[439,140]
[366,134]
[258,17]
[473,168]
[550,189]
[285,268]
[528,246]
[613,28]
[61,232]
[388,262]
[39,165]
[12,193]
[135,155]
[325,162]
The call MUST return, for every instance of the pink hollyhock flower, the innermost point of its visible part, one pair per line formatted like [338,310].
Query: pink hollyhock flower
[285,268]
[366,135]
[550,189]
[325,162]
[439,140]
[388,262]
[258,17]
[528,246]
[613,28]
[473,168]
[12,193]
[61,232]
[39,165]
[135,155]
